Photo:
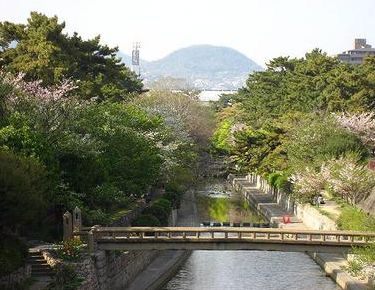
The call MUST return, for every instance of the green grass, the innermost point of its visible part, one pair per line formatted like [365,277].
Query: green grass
[352,218]
[326,213]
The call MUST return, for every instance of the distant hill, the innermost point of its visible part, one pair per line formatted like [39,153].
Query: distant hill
[203,66]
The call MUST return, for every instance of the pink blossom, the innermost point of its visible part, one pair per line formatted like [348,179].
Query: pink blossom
[362,125]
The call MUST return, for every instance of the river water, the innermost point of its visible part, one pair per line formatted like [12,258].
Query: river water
[237,270]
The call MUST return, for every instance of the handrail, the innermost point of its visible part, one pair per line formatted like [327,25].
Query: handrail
[231,230]
[268,236]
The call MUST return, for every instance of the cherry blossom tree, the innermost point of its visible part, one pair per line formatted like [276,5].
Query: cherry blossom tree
[50,108]
[362,125]
[349,179]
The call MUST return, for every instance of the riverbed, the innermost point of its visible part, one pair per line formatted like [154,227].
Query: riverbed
[206,270]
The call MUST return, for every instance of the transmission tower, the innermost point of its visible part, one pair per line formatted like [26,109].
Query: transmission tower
[135,58]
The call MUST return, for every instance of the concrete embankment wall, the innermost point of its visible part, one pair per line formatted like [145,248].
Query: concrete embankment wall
[311,218]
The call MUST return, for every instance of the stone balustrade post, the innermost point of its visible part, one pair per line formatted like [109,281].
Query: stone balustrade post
[91,239]
[67,226]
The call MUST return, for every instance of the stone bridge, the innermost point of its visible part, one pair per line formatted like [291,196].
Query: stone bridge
[224,238]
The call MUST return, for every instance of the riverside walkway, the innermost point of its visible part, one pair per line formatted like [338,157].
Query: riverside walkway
[199,238]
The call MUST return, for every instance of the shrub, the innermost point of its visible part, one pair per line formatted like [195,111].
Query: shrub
[107,196]
[165,203]
[158,211]
[70,249]
[97,217]
[23,192]
[282,183]
[66,278]
[146,220]
[13,253]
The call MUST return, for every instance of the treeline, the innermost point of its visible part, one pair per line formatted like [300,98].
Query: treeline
[75,131]
[306,124]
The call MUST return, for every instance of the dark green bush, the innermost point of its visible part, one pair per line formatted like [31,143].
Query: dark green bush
[146,220]
[97,217]
[160,212]
[272,177]
[282,183]
[66,278]
[107,196]
[13,253]
[23,192]
[165,203]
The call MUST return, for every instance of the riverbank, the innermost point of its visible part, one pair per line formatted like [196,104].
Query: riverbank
[275,206]
[167,263]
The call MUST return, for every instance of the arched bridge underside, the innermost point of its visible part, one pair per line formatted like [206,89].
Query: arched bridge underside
[198,238]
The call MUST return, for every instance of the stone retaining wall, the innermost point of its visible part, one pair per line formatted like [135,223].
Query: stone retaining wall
[116,269]
[15,278]
[112,270]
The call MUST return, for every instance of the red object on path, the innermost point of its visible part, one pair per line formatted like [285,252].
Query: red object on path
[286,219]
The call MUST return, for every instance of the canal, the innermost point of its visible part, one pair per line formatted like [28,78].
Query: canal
[206,270]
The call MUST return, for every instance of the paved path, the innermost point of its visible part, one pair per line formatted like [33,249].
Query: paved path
[168,262]
[333,264]
[265,203]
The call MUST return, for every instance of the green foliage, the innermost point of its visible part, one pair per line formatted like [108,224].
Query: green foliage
[70,250]
[252,147]
[121,134]
[220,138]
[312,141]
[353,219]
[23,191]
[165,203]
[66,278]
[44,52]
[272,177]
[13,253]
[97,217]
[107,196]
[146,220]
[364,259]
[160,212]
[316,82]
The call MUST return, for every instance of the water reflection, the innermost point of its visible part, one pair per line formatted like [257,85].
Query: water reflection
[249,270]
[233,209]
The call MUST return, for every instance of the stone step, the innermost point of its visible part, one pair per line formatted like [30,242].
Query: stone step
[42,274]
[33,256]
[40,266]
[36,260]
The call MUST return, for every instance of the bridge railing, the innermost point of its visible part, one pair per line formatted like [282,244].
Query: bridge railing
[133,234]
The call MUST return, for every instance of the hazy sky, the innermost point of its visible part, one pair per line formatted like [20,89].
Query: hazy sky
[261,29]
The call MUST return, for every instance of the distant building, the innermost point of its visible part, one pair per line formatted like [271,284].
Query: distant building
[358,54]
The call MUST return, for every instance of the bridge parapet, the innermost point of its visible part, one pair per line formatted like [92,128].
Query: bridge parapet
[180,237]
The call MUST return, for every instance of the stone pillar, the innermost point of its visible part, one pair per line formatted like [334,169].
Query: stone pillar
[67,226]
[77,219]
[91,242]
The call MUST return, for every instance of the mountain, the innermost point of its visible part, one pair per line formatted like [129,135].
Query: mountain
[203,66]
